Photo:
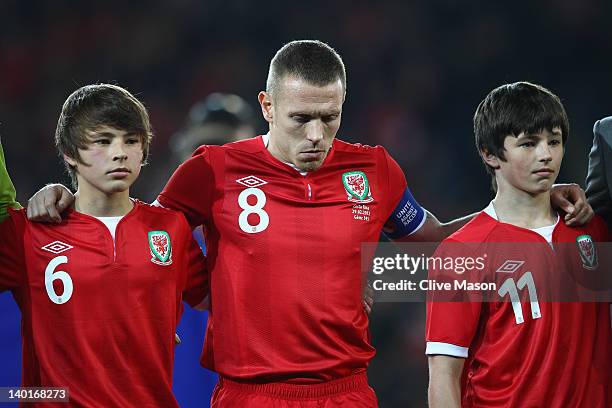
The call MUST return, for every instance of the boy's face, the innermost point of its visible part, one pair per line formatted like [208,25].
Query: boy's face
[532,161]
[110,163]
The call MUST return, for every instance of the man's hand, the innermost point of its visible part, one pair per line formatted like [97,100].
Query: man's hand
[571,199]
[49,202]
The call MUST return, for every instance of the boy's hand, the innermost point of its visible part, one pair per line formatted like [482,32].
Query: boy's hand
[48,203]
[571,199]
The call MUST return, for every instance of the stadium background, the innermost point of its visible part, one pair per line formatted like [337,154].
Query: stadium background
[416,71]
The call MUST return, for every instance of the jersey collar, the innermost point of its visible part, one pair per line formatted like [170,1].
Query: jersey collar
[265,139]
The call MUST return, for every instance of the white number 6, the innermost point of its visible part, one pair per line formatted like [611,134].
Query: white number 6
[50,276]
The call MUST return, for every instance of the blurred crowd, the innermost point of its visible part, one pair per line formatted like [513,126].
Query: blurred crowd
[416,72]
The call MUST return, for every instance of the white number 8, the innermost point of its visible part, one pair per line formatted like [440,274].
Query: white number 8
[50,276]
[243,221]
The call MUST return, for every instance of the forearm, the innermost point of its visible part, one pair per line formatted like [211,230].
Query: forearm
[444,381]
[444,391]
[433,230]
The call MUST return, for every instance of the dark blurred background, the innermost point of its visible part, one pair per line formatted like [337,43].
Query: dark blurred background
[416,72]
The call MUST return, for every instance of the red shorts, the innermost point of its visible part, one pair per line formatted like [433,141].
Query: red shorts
[352,391]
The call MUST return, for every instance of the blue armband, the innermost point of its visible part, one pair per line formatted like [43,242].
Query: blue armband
[406,219]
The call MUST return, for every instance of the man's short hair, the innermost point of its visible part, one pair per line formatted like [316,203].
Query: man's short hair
[512,109]
[94,106]
[311,60]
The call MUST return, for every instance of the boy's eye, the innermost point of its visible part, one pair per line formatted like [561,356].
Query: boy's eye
[555,142]
[527,144]
[101,141]
[133,140]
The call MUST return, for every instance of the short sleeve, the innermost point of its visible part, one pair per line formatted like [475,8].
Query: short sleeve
[12,261]
[451,318]
[396,182]
[196,284]
[191,187]
[404,215]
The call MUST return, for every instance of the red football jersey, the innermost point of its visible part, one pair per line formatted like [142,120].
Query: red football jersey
[99,318]
[534,353]
[284,255]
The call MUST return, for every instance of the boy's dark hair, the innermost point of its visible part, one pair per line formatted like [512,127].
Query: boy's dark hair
[311,60]
[512,109]
[94,106]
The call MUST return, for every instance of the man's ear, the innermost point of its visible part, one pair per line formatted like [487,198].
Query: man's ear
[490,159]
[265,101]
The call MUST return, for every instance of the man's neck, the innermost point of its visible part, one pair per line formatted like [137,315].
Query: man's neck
[266,141]
[524,210]
[103,205]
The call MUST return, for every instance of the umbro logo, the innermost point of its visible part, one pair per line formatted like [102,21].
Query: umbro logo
[251,181]
[510,266]
[57,247]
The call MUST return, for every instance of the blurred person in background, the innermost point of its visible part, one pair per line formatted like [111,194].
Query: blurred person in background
[218,119]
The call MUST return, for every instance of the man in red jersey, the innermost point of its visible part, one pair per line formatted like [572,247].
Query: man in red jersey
[285,216]
[530,353]
[100,293]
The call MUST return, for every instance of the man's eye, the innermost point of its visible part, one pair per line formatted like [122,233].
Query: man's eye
[301,119]
[330,118]
[101,141]
[133,141]
[554,142]
[527,144]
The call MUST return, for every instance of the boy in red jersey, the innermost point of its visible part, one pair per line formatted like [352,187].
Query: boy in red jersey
[100,293]
[530,353]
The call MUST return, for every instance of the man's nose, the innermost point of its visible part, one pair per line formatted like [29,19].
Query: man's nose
[314,131]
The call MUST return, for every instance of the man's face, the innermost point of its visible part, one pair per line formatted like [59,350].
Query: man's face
[110,163]
[304,119]
[532,161]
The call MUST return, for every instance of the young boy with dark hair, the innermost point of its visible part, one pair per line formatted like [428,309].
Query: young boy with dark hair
[100,293]
[528,352]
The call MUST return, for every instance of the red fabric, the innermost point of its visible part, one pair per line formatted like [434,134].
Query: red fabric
[285,301]
[112,342]
[352,391]
[562,359]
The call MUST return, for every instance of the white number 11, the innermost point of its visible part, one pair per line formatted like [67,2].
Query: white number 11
[510,288]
